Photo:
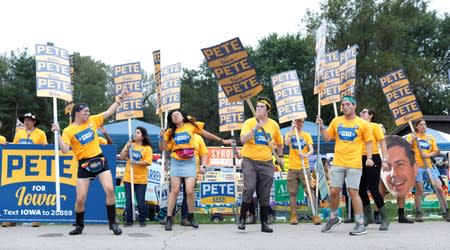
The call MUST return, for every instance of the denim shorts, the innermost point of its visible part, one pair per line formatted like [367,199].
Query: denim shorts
[422,174]
[351,176]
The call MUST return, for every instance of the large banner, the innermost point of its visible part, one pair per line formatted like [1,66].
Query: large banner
[348,71]
[288,96]
[27,186]
[217,193]
[129,76]
[233,70]
[171,87]
[231,113]
[157,62]
[321,37]
[400,97]
[331,79]
[53,72]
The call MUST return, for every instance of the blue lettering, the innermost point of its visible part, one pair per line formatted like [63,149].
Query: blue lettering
[29,165]
[63,166]
[11,166]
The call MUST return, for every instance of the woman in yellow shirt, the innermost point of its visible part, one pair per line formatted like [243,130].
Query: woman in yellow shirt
[428,149]
[370,177]
[179,139]
[141,157]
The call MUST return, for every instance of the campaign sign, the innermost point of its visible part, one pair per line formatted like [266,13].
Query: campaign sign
[233,70]
[53,72]
[128,76]
[162,195]
[282,194]
[321,36]
[231,114]
[217,193]
[27,189]
[157,62]
[171,87]
[348,71]
[221,156]
[331,79]
[288,96]
[155,173]
[400,97]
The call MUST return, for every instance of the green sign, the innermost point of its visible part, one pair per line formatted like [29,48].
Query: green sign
[282,194]
[120,196]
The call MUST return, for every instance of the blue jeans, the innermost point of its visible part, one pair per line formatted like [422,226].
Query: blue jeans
[139,190]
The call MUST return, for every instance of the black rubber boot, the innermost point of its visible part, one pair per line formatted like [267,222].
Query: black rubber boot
[384,219]
[113,226]
[79,224]
[244,208]
[264,217]
[191,219]
[376,217]
[169,223]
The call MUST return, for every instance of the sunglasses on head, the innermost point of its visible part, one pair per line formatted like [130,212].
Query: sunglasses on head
[29,115]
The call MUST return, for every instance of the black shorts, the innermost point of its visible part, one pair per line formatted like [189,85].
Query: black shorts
[84,174]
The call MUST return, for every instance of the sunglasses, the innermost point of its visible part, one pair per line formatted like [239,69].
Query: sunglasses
[29,115]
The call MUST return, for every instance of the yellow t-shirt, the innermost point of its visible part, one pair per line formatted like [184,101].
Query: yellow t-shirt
[257,147]
[427,144]
[378,135]
[36,136]
[140,173]
[83,138]
[350,136]
[183,137]
[200,150]
[294,158]
[102,141]
[2,140]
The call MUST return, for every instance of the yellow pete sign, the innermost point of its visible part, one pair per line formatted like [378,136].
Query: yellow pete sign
[171,87]
[331,79]
[400,97]
[348,71]
[288,96]
[157,63]
[36,165]
[128,76]
[231,114]
[233,70]
[53,72]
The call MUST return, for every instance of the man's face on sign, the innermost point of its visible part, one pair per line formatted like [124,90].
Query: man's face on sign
[400,175]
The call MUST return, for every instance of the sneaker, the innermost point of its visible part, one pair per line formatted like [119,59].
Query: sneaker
[316,220]
[185,222]
[403,219]
[331,224]
[419,216]
[359,229]
[115,228]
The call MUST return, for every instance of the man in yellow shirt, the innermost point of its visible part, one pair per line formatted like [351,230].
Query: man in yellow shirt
[81,136]
[31,134]
[259,134]
[350,133]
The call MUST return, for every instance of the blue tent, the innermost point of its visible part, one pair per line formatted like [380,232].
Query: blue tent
[119,132]
[311,127]
[442,139]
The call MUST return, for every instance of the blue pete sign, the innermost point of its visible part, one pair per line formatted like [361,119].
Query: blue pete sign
[27,185]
